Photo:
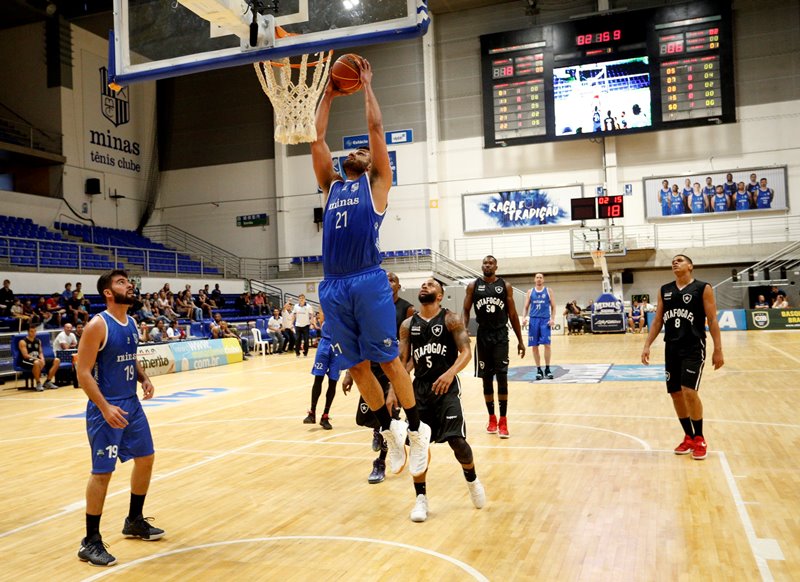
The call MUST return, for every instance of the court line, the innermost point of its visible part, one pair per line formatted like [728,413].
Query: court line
[763,548]
[788,355]
[459,564]
[81,504]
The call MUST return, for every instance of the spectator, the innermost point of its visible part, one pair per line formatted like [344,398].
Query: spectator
[66,294]
[146,313]
[226,331]
[55,308]
[206,303]
[27,309]
[79,290]
[31,357]
[17,312]
[66,340]
[575,322]
[303,316]
[216,295]
[761,303]
[214,328]
[165,306]
[76,310]
[275,331]
[174,333]
[259,304]
[780,302]
[156,333]
[144,333]
[288,327]
[78,331]
[41,311]
[636,318]
[242,305]
[6,297]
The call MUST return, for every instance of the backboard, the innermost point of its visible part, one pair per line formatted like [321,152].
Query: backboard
[154,39]
[609,239]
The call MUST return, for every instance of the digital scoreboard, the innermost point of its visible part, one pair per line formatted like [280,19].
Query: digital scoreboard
[609,74]
[610,207]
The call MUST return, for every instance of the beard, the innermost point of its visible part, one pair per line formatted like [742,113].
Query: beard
[487,272]
[353,165]
[426,298]
[123,298]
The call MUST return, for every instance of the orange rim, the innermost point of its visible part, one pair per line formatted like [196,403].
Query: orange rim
[281,32]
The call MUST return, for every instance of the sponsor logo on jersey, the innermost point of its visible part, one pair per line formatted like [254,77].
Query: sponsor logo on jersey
[387,342]
[761,319]
[437,329]
[481,287]
[100,453]
[498,289]
[668,295]
[354,187]
[687,297]
[451,417]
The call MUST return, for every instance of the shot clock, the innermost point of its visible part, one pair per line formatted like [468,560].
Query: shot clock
[612,74]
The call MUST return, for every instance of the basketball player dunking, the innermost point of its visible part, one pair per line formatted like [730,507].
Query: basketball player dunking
[684,307]
[115,421]
[355,292]
[436,344]
[493,299]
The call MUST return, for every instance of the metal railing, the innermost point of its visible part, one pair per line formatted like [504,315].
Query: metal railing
[669,235]
[176,238]
[24,134]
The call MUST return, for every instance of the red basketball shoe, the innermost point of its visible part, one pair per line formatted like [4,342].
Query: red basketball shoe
[686,447]
[491,428]
[700,451]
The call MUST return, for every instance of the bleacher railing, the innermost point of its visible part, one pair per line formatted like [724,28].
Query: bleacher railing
[176,238]
[24,134]
[666,235]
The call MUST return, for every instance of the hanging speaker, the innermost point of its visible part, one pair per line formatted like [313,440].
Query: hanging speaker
[627,277]
[317,215]
[92,186]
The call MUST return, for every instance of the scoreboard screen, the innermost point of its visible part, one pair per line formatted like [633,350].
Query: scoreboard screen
[611,74]
[610,207]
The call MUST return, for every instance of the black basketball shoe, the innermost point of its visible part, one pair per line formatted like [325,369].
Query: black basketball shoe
[140,528]
[93,550]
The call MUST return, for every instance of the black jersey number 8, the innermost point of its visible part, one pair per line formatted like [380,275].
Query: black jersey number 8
[677,322]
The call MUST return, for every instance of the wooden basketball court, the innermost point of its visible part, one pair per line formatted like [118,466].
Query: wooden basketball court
[587,488]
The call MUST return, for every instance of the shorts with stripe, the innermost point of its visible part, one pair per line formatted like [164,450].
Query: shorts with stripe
[442,412]
[538,332]
[490,358]
[364,416]
[684,365]
[109,444]
[325,362]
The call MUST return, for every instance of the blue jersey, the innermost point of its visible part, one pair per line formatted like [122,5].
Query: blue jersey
[636,312]
[540,303]
[697,202]
[709,190]
[752,188]
[719,203]
[687,192]
[350,240]
[742,201]
[115,368]
[675,204]
[665,202]
[729,189]
[763,198]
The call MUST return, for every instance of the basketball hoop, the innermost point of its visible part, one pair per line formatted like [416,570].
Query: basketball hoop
[597,258]
[294,94]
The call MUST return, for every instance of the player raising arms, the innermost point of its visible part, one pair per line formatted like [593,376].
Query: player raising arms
[115,421]
[355,292]
[684,307]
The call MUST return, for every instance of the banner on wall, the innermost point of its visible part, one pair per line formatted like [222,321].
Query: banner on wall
[773,319]
[608,315]
[198,354]
[518,208]
[726,192]
[116,124]
[156,359]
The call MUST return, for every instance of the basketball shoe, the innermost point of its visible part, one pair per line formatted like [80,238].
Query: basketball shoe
[325,422]
[93,550]
[477,493]
[420,450]
[491,428]
[378,472]
[377,440]
[700,450]
[139,527]
[502,428]
[420,511]
[686,447]
[310,419]
[395,439]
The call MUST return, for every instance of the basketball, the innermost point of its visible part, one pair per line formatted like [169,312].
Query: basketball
[346,73]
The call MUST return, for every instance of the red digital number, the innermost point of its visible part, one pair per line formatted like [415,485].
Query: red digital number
[508,71]
[617,34]
[614,211]
[602,199]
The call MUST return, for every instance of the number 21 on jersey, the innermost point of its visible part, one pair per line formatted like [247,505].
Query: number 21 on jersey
[341,219]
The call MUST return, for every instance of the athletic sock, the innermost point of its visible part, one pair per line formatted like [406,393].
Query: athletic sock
[419,488]
[470,475]
[547,370]
[329,395]
[383,417]
[412,415]
[686,423]
[92,525]
[503,407]
[137,504]
[539,369]
[698,427]
[490,407]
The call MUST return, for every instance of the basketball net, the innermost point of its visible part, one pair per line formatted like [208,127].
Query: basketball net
[294,94]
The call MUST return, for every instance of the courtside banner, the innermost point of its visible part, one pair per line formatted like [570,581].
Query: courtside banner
[523,208]
[156,359]
[759,319]
[764,189]
[198,354]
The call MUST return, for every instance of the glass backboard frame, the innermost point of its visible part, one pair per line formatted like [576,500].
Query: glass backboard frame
[123,72]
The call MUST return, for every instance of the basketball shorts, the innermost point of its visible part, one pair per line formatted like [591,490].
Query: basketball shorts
[364,416]
[325,362]
[538,331]
[684,366]
[28,364]
[490,358]
[443,412]
[360,314]
[109,444]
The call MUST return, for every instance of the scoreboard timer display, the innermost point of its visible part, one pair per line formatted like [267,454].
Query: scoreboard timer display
[610,74]
[610,207]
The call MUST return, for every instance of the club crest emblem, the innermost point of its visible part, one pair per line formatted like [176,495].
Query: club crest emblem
[437,329]
[761,319]
[687,298]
